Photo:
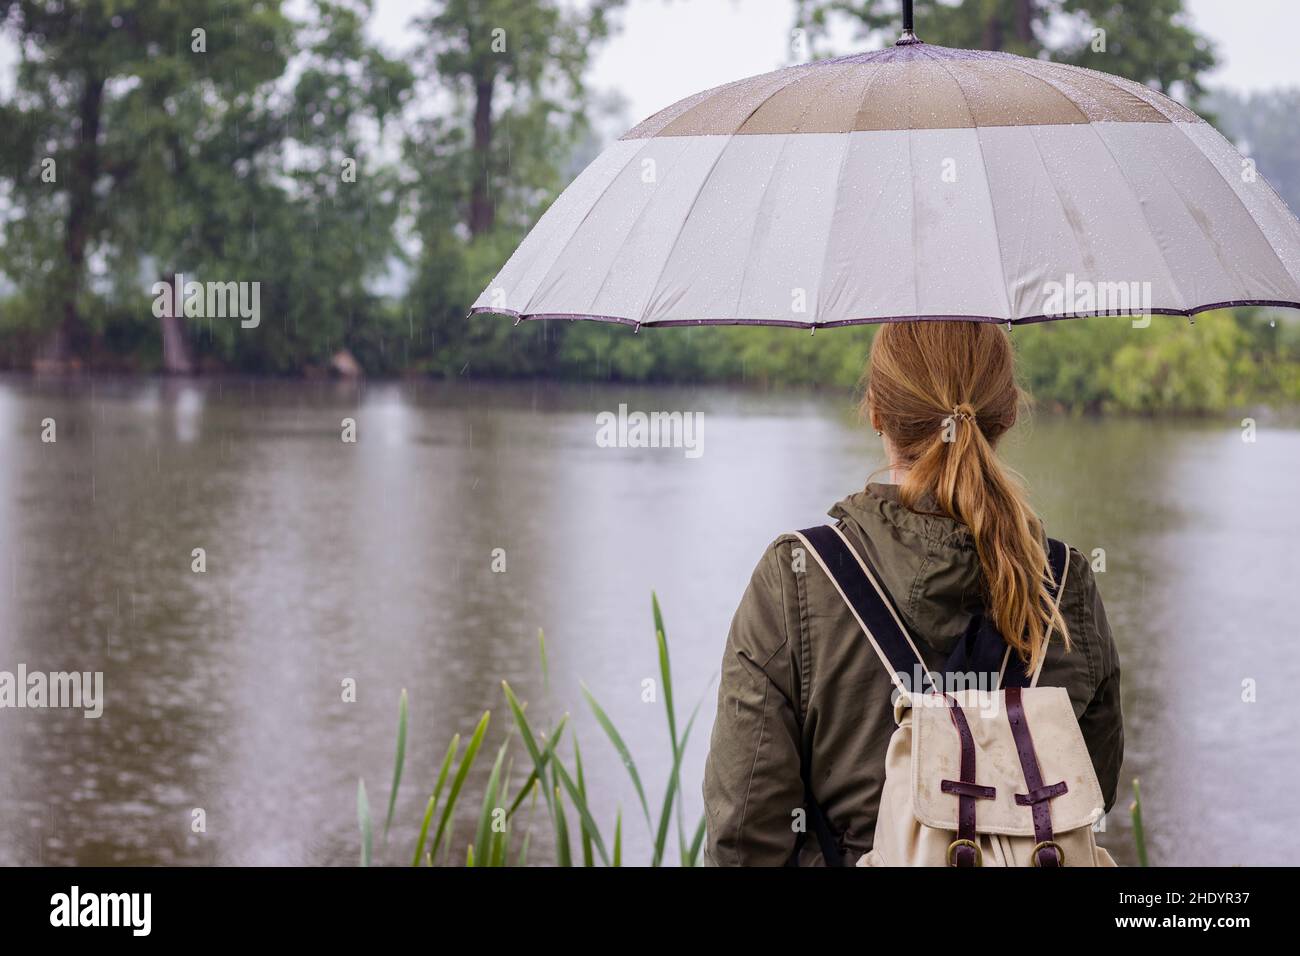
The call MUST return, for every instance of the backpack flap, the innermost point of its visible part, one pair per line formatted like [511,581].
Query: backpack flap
[1057,741]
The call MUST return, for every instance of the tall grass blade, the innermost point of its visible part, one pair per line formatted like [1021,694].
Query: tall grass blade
[533,778]
[580,805]
[500,847]
[398,761]
[582,791]
[471,751]
[424,830]
[661,837]
[562,850]
[363,821]
[507,838]
[697,843]
[530,742]
[501,837]
[541,652]
[618,838]
[666,677]
[483,837]
[452,748]
[1139,831]
[665,669]
[528,829]
[612,733]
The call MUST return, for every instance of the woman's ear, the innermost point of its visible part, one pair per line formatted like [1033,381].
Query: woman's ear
[871,412]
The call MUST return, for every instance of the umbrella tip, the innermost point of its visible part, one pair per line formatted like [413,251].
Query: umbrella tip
[908,36]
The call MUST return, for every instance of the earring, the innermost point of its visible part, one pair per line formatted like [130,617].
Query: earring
[879,433]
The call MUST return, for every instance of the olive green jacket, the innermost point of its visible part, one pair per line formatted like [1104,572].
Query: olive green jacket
[798,677]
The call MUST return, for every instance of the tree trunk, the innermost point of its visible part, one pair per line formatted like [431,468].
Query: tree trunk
[175,354]
[482,210]
[1025,21]
[68,342]
[994,33]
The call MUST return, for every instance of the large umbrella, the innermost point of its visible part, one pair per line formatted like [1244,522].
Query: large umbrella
[916,181]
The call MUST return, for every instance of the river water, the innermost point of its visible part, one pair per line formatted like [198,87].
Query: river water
[331,565]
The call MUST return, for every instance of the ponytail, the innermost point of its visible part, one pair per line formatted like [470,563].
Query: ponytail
[944,393]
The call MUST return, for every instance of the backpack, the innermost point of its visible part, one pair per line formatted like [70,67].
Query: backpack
[978,776]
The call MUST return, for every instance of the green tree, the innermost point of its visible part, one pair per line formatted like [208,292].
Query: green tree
[1172,368]
[203,158]
[531,55]
[292,188]
[486,170]
[90,83]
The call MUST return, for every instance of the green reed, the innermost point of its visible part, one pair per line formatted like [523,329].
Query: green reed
[1139,831]
[562,788]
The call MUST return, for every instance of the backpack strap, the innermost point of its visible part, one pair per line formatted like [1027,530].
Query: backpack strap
[821,827]
[859,586]
[1013,670]
[965,850]
[1046,852]
[872,607]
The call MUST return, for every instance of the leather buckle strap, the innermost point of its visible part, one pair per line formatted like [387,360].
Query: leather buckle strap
[1046,852]
[1041,794]
[965,851]
[1037,854]
[972,790]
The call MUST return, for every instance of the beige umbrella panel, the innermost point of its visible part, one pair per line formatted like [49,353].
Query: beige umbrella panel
[913,182]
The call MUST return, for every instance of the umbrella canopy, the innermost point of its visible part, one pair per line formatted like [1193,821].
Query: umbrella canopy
[913,182]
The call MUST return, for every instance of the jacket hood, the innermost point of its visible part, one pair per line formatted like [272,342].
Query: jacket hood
[927,562]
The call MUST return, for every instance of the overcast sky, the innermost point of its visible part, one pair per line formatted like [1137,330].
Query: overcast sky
[668,49]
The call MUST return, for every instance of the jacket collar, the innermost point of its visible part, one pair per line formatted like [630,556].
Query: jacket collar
[927,561]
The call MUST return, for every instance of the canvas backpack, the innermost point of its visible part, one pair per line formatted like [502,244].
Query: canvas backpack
[974,776]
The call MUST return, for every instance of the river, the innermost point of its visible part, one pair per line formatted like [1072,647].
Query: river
[228,735]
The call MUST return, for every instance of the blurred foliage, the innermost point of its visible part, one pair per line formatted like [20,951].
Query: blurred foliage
[1151,42]
[103,90]
[230,163]
[209,159]
[1220,360]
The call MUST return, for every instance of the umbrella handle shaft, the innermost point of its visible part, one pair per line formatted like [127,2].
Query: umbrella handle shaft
[909,35]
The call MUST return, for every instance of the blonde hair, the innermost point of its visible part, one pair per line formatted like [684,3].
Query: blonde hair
[944,393]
